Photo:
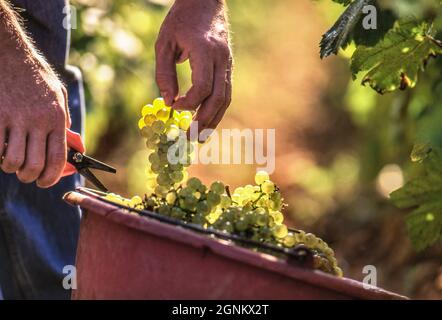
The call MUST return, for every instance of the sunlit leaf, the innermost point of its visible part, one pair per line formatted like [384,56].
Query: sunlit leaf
[394,62]
[424,194]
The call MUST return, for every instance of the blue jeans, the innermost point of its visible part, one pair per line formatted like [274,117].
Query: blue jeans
[38,231]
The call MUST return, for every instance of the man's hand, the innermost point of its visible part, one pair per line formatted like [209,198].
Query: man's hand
[196,30]
[33,109]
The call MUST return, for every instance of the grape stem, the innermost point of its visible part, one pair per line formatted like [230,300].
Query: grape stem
[228,191]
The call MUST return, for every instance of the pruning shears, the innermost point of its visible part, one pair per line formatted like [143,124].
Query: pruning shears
[77,161]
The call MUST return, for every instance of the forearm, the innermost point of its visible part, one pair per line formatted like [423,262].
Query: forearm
[15,46]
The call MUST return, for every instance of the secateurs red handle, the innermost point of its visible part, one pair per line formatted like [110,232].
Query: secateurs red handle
[74,142]
[77,161]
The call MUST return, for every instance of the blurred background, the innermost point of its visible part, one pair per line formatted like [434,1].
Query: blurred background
[340,147]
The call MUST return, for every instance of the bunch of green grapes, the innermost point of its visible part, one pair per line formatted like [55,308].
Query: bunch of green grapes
[252,212]
[169,151]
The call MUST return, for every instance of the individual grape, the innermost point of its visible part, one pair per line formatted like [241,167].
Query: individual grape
[249,190]
[158,104]
[176,167]
[185,192]
[236,197]
[250,218]
[163,179]
[158,126]
[239,190]
[185,113]
[141,123]
[156,167]
[154,158]
[229,214]
[213,198]
[261,211]
[171,198]
[262,202]
[147,109]
[278,217]
[268,187]
[194,183]
[177,176]
[163,114]
[310,240]
[202,188]
[262,219]
[149,119]
[147,132]
[199,219]
[280,231]
[152,142]
[241,225]
[185,122]
[289,240]
[217,187]
[190,202]
[261,176]
[203,207]
[161,191]
[172,132]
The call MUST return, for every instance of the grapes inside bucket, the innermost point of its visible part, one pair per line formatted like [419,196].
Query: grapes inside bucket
[250,216]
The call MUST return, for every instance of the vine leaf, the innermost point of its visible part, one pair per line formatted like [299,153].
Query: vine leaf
[394,62]
[424,194]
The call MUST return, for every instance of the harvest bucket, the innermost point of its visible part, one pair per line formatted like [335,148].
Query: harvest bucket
[125,256]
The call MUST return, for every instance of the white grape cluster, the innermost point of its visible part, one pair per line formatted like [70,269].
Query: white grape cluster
[164,130]
[252,212]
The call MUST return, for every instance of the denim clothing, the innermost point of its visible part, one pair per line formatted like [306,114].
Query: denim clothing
[38,231]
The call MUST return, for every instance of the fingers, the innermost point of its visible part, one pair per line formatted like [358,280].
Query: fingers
[35,158]
[217,119]
[214,102]
[166,75]
[213,108]
[202,81]
[55,158]
[15,151]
